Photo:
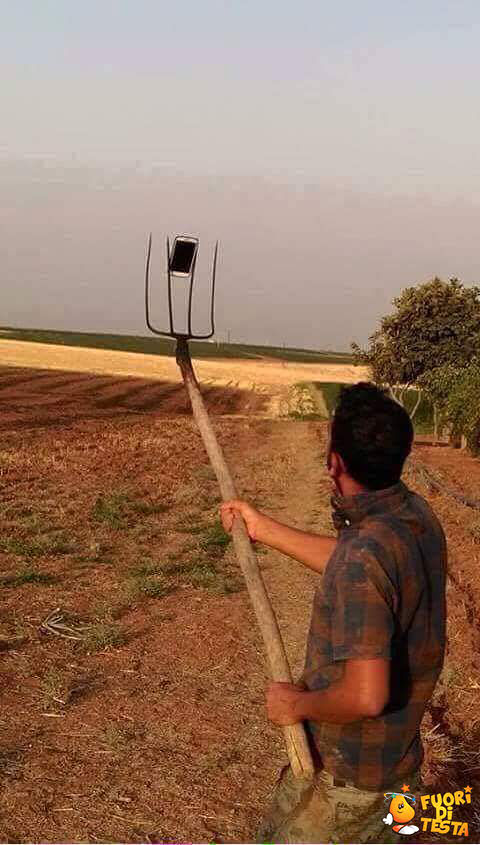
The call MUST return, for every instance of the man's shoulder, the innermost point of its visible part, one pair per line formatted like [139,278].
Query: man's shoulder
[372,538]
[364,553]
[388,544]
[425,511]
[380,530]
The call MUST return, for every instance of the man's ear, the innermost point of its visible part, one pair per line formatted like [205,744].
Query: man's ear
[335,465]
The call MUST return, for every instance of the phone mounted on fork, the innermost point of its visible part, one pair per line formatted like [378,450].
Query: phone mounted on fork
[181,262]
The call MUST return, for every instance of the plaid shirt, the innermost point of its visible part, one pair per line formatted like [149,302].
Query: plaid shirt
[382,595]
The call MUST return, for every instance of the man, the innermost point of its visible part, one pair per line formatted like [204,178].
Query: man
[377,633]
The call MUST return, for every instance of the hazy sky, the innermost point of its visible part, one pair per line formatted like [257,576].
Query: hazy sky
[332,148]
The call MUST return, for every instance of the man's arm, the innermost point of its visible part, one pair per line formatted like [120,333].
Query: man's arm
[313,550]
[363,692]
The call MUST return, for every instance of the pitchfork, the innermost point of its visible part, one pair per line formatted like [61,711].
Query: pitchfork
[181,262]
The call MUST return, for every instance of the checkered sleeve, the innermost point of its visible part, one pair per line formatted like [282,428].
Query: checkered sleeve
[361,611]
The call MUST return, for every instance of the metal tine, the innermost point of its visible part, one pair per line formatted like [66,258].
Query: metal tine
[212,295]
[190,296]
[212,301]
[147,285]
[170,307]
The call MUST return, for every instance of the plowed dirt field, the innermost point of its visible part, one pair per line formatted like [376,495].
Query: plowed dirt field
[132,672]
[51,397]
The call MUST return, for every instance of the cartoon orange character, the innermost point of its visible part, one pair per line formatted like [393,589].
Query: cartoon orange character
[401,812]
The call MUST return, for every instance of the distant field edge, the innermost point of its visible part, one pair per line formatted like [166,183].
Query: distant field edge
[145,345]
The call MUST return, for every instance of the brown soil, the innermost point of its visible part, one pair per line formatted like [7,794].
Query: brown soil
[452,723]
[151,727]
[38,397]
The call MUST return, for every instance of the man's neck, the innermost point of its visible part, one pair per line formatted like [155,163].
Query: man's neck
[347,487]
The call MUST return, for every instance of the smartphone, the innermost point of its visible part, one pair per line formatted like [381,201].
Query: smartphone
[183,255]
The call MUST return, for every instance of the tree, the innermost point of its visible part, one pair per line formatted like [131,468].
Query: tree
[438,384]
[434,324]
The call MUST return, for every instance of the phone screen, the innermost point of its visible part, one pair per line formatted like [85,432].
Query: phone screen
[183,255]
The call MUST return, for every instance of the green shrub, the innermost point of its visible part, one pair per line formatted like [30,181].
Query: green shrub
[330,391]
[27,576]
[462,408]
[111,509]
[215,538]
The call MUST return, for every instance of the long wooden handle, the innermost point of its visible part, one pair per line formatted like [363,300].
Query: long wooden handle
[295,737]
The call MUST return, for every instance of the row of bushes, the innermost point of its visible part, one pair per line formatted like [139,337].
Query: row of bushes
[454,393]
[449,402]
[423,419]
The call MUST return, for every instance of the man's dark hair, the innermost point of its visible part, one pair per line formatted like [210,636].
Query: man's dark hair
[372,433]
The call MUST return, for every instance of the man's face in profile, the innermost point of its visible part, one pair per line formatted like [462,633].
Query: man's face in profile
[330,462]
[329,445]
